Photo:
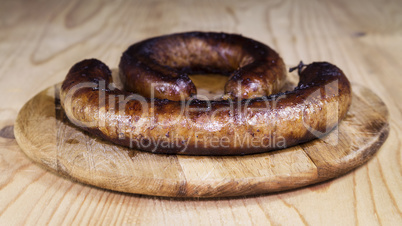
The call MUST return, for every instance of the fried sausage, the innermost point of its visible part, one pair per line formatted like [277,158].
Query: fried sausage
[199,127]
[162,64]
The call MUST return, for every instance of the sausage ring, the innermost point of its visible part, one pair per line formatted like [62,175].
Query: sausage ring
[247,121]
[162,64]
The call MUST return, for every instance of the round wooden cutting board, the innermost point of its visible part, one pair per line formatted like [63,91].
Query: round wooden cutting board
[46,136]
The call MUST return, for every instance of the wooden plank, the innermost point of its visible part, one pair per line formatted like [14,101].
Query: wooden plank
[40,40]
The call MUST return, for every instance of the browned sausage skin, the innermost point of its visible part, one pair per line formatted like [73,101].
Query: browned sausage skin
[199,127]
[163,63]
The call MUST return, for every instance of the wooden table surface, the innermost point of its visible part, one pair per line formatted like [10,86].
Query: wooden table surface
[41,40]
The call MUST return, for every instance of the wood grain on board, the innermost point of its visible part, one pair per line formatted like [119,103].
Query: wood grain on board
[41,40]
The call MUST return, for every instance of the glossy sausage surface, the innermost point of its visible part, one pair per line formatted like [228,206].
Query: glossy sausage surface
[197,127]
[159,67]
